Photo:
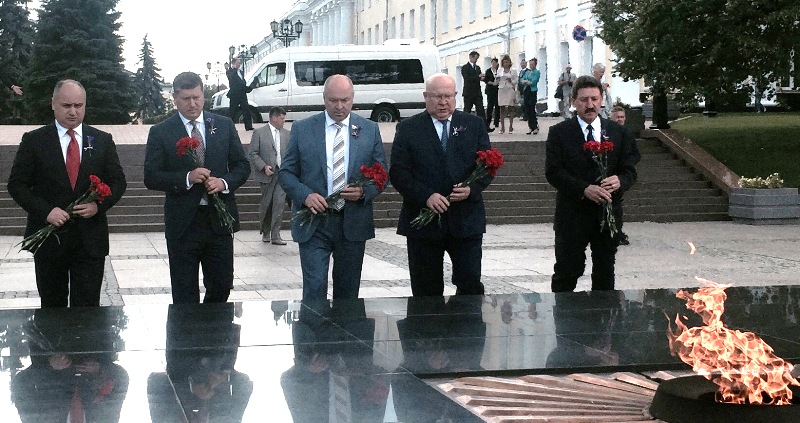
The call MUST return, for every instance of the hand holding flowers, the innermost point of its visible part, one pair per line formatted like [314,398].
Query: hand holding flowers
[600,152]
[189,146]
[97,192]
[370,175]
[487,163]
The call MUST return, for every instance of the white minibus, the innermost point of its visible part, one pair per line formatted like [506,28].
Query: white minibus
[388,80]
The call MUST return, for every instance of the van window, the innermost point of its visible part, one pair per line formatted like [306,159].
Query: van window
[362,72]
[272,74]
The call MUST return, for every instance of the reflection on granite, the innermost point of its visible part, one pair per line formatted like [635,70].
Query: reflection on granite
[364,360]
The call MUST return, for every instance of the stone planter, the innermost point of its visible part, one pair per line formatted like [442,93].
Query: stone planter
[767,206]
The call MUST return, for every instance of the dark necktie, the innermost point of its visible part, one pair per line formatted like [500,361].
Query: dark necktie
[443,139]
[73,159]
[589,136]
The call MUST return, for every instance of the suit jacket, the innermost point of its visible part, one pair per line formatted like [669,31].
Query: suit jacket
[487,78]
[238,88]
[570,169]
[165,171]
[472,80]
[38,182]
[304,171]
[420,168]
[261,152]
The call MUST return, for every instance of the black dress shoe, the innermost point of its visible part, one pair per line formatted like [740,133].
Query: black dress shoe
[489,129]
[278,242]
[622,239]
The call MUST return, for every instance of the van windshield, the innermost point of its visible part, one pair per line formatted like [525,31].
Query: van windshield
[362,72]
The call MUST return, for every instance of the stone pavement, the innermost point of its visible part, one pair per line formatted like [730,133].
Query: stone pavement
[516,258]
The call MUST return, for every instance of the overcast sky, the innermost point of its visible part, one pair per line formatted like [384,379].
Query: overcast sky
[185,35]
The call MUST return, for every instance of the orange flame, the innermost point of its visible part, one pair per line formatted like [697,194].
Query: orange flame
[740,363]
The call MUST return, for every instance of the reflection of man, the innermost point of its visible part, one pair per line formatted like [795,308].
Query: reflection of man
[201,382]
[195,234]
[580,199]
[50,171]
[266,148]
[433,152]
[324,153]
[598,71]
[472,75]
[237,93]
[72,377]
[618,115]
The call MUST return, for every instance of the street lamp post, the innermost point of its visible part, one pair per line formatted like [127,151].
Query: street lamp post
[244,54]
[286,31]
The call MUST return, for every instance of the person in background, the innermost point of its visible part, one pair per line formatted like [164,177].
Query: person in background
[237,93]
[530,93]
[523,70]
[472,75]
[618,115]
[598,71]
[507,81]
[267,145]
[312,168]
[565,81]
[492,109]
[51,170]
[582,195]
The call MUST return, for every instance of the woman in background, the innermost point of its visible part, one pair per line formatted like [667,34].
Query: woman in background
[507,93]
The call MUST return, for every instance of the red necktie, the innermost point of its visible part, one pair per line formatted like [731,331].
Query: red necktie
[73,159]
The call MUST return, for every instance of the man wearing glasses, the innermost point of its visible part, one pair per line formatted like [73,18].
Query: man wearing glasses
[433,152]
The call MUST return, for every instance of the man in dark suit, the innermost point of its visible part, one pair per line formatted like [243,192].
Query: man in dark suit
[582,192]
[237,93]
[473,76]
[265,151]
[195,234]
[311,169]
[492,109]
[432,153]
[50,171]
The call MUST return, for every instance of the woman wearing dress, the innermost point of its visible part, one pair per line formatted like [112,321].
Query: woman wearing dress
[507,93]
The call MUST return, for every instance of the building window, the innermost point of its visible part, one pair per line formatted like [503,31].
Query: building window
[377,31]
[487,8]
[445,16]
[433,18]
[458,6]
[369,35]
[503,6]
[402,25]
[472,7]
[393,31]
[385,30]
[411,23]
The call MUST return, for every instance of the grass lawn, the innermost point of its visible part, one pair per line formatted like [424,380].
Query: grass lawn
[749,144]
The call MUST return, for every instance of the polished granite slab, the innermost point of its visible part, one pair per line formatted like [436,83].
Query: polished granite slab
[366,360]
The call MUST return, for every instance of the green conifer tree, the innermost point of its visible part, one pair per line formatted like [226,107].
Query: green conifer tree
[148,84]
[16,38]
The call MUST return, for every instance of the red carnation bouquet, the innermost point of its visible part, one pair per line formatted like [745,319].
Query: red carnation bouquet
[188,146]
[600,152]
[98,191]
[488,162]
[370,175]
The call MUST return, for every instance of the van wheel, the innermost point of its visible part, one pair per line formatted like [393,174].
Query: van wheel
[384,113]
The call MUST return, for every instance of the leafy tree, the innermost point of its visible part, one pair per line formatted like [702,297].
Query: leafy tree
[148,85]
[16,37]
[78,39]
[704,48]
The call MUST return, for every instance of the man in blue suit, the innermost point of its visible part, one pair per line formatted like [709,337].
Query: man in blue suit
[433,152]
[326,152]
[195,234]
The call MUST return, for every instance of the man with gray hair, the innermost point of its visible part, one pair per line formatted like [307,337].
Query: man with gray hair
[598,71]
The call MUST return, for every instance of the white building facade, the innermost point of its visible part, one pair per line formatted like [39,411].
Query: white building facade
[519,28]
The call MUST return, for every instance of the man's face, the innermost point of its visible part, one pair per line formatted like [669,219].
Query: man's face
[618,117]
[338,97]
[569,69]
[189,102]
[473,59]
[598,74]
[587,103]
[440,97]
[277,121]
[69,105]
[522,64]
[236,63]
[495,64]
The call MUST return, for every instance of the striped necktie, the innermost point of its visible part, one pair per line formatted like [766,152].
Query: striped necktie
[338,165]
[201,150]
[443,139]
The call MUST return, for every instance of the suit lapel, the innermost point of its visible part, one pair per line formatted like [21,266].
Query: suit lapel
[53,145]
